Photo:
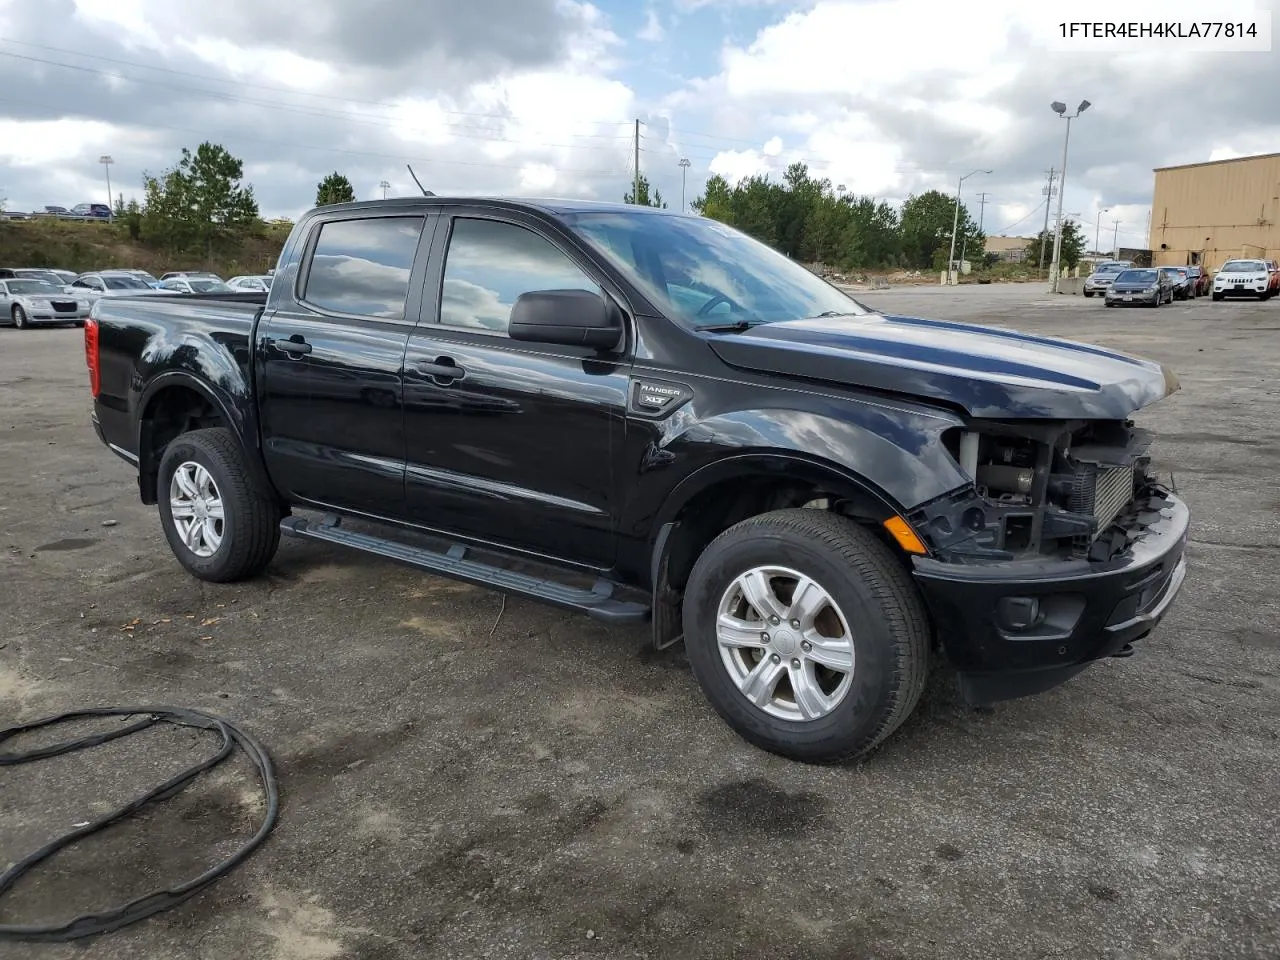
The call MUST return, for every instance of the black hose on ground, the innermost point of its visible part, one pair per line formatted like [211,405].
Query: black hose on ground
[158,900]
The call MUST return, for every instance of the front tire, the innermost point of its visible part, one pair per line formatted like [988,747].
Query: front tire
[20,317]
[848,642]
[218,524]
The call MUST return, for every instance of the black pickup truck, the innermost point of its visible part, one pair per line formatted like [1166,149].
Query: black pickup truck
[647,416]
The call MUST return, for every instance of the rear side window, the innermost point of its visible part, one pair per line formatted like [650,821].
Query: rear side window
[362,267]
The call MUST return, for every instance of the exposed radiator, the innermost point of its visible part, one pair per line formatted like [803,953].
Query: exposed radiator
[1102,492]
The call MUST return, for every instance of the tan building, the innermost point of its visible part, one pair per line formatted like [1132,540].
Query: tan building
[1210,212]
[1013,249]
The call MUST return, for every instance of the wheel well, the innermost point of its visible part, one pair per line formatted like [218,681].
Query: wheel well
[720,506]
[171,412]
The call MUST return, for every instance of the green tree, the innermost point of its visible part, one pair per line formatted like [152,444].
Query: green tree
[334,188]
[648,197]
[716,201]
[1072,245]
[198,201]
[926,229]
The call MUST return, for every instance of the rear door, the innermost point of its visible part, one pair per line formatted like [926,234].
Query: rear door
[331,396]
[511,442]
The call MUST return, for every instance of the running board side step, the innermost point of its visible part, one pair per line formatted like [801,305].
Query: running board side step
[597,602]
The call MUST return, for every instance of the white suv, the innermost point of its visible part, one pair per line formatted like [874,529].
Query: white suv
[1242,278]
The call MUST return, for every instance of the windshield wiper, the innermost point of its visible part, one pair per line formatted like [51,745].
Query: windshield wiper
[732,326]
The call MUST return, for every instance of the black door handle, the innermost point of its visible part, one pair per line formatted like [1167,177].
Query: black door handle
[442,369]
[293,347]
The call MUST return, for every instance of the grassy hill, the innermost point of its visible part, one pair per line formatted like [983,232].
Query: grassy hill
[81,246]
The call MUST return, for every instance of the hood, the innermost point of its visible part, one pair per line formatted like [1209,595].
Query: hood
[988,372]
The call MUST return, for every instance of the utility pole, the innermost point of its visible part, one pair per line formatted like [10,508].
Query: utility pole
[1048,200]
[106,162]
[684,170]
[982,202]
[385,187]
[636,186]
[1115,240]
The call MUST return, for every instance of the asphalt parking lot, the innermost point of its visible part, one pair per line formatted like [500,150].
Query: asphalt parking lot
[466,779]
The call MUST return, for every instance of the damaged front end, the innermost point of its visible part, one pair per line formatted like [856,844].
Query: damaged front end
[1054,490]
[1063,550]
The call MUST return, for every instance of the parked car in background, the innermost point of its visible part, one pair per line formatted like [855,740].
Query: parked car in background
[24,303]
[148,278]
[94,210]
[1274,268]
[1183,285]
[195,285]
[1243,278]
[52,210]
[190,274]
[1103,274]
[34,273]
[1145,286]
[1200,278]
[109,283]
[66,276]
[256,284]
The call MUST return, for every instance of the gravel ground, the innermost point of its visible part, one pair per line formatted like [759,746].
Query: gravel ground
[463,779]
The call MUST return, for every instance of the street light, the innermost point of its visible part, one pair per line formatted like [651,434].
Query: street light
[955,222]
[684,170]
[1098,226]
[1060,109]
[385,187]
[106,162]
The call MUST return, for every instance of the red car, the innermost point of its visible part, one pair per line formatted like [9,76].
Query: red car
[1201,278]
[1274,269]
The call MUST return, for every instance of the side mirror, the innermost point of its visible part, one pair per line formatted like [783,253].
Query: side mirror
[570,317]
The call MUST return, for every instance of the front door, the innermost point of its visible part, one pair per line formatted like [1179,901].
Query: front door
[510,442]
[331,352]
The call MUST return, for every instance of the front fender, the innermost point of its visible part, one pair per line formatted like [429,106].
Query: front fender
[894,453]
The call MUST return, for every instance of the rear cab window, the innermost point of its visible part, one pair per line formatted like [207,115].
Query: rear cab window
[361,267]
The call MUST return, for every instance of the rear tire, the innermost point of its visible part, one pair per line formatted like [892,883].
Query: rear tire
[860,607]
[236,540]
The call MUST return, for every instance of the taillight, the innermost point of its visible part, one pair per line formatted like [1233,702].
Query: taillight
[91,354]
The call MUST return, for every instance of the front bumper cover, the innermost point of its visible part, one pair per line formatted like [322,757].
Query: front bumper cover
[1018,628]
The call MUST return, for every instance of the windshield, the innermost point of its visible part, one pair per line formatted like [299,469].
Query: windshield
[124,283]
[1107,268]
[1244,266]
[703,273]
[208,286]
[44,276]
[1137,276]
[33,288]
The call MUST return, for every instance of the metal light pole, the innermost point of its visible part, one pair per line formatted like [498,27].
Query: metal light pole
[106,162]
[955,222]
[1098,226]
[684,170]
[1061,110]
[385,187]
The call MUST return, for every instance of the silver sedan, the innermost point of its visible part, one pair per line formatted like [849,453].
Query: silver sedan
[24,303]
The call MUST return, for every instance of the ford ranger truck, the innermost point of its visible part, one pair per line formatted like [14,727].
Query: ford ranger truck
[649,416]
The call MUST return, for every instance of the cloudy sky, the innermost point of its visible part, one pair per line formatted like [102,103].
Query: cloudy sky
[887,97]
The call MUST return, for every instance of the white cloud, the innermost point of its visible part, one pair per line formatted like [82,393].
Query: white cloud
[652,31]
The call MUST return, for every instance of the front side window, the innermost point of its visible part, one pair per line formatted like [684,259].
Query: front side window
[362,267]
[702,272]
[489,264]
[125,283]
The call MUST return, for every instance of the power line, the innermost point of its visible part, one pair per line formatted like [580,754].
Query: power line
[259,86]
[390,123]
[292,145]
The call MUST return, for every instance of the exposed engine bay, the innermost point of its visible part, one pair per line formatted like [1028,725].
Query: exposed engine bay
[1055,489]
